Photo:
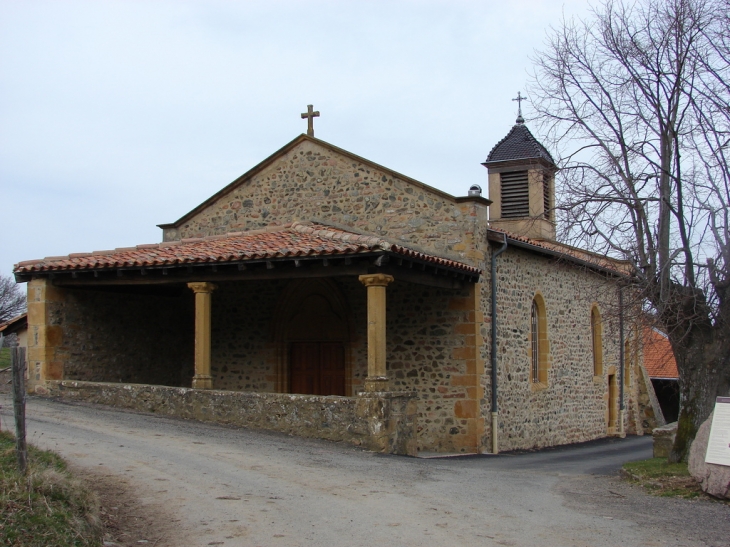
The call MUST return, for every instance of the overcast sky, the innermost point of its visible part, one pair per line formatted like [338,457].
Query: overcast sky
[118,116]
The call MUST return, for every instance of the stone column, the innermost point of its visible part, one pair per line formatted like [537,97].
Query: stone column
[202,378]
[377,379]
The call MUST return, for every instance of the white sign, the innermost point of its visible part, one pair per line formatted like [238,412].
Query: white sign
[718,447]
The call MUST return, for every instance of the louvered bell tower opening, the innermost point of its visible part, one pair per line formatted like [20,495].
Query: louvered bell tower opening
[547,183]
[515,195]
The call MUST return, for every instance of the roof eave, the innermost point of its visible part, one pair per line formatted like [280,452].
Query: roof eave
[469,273]
[553,253]
[15,324]
[498,164]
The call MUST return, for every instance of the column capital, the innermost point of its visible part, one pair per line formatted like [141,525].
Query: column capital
[376,280]
[202,286]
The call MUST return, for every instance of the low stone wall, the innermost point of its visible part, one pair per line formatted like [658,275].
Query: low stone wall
[382,422]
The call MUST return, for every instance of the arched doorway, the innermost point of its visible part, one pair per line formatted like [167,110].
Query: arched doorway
[313,336]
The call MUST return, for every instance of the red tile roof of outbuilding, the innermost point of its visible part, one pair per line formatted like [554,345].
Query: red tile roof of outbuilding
[292,240]
[658,355]
[15,324]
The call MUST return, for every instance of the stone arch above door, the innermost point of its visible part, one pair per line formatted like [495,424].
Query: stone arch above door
[313,334]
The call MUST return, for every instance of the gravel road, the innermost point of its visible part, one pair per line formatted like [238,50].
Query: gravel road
[213,485]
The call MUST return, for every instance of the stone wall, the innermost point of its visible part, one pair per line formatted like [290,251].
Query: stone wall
[243,355]
[429,351]
[383,422]
[573,406]
[247,349]
[127,336]
[98,335]
[425,344]
[313,182]
[148,339]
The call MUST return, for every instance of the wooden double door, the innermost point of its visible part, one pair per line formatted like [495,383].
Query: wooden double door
[317,368]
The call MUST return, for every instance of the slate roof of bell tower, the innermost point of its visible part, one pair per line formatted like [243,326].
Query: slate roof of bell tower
[519,144]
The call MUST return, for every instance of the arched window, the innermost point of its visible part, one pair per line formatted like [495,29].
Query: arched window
[597,341]
[538,342]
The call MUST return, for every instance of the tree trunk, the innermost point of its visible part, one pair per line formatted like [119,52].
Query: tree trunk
[703,360]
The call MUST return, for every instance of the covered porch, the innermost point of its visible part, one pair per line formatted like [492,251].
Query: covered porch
[304,316]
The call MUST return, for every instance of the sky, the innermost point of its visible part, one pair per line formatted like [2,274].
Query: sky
[116,116]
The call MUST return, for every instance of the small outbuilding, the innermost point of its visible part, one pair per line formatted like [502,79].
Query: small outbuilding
[662,368]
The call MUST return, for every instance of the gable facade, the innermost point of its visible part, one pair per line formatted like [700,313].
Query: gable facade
[310,180]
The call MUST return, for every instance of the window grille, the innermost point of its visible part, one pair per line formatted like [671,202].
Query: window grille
[515,195]
[546,195]
[535,343]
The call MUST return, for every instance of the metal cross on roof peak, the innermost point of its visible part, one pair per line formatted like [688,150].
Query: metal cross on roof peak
[519,100]
[310,114]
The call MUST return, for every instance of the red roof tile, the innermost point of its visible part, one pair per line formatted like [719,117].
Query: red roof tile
[658,355]
[293,240]
[570,252]
[15,324]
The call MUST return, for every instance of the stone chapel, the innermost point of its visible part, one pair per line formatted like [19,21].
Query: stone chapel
[324,295]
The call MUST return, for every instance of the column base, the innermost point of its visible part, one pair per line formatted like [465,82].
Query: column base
[202,381]
[377,383]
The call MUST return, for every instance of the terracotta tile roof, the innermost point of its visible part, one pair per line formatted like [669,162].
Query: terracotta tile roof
[292,240]
[15,324]
[553,247]
[519,144]
[658,355]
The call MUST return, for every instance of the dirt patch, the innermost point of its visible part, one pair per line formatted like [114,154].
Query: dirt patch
[127,521]
[672,520]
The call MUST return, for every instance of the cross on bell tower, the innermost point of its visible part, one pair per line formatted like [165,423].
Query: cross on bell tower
[519,100]
[310,114]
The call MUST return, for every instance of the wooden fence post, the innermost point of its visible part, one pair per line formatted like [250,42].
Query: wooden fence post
[17,360]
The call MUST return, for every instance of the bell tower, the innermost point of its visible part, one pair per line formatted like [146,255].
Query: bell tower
[522,184]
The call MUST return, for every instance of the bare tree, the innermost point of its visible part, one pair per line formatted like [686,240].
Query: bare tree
[635,100]
[12,299]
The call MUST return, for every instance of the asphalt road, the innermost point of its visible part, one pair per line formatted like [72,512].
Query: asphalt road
[234,487]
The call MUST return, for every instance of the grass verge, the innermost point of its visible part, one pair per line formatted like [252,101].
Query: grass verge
[48,506]
[4,358]
[662,478]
